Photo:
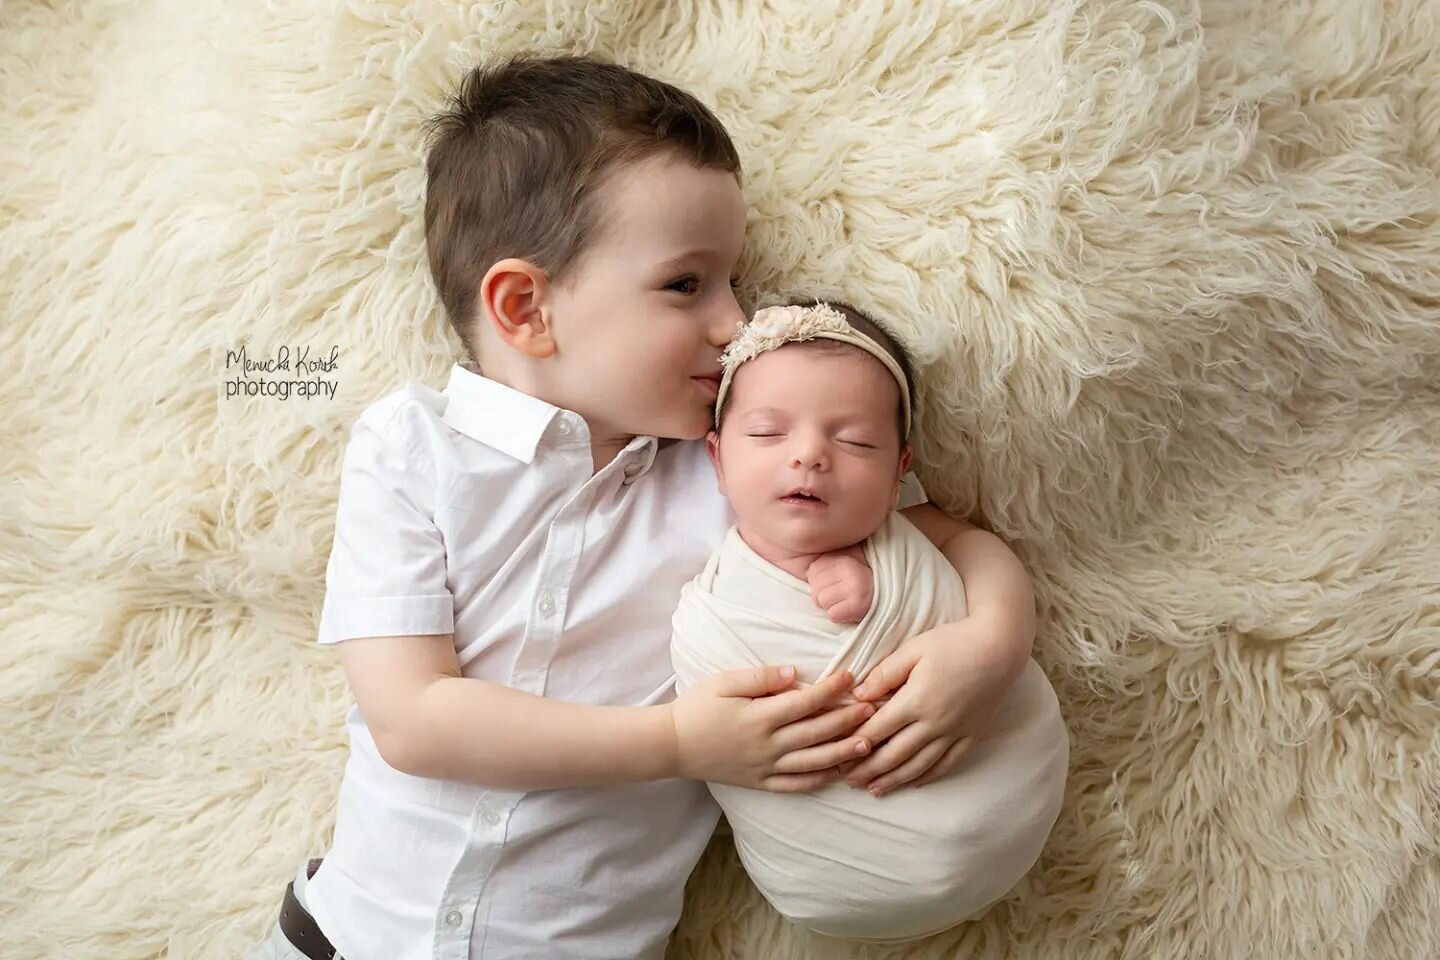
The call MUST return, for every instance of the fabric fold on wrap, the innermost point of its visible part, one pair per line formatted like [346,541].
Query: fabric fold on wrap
[837,860]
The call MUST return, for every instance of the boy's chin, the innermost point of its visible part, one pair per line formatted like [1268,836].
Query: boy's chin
[692,428]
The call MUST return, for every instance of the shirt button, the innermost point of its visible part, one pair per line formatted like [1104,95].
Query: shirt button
[453,918]
[563,428]
[547,604]
[490,817]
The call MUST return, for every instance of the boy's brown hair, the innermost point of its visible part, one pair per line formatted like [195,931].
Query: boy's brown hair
[514,161]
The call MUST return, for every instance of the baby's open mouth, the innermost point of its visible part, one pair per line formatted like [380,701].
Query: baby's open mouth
[803,497]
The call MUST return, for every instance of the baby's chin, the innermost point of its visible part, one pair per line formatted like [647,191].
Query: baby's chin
[801,535]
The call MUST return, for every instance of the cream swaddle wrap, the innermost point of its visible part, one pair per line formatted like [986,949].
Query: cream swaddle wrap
[837,860]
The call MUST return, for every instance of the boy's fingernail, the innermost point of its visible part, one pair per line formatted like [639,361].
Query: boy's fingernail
[787,673]
[862,747]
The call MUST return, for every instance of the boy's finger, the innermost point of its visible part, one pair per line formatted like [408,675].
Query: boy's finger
[826,727]
[886,723]
[913,767]
[799,782]
[797,704]
[823,756]
[754,681]
[889,755]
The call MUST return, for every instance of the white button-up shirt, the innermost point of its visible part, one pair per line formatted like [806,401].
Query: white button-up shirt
[474,512]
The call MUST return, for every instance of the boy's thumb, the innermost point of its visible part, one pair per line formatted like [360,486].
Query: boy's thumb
[755,681]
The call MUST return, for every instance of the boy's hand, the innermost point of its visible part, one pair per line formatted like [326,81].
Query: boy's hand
[748,729]
[951,681]
[841,585]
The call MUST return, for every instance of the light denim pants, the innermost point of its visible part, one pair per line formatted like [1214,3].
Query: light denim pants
[275,946]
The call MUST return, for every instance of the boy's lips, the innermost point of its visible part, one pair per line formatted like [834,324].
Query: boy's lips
[710,383]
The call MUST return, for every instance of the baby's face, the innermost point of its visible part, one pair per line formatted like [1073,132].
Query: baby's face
[810,454]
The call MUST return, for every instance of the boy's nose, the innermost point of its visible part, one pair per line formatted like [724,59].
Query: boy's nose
[726,324]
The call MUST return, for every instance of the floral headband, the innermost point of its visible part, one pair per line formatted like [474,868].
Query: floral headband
[776,326]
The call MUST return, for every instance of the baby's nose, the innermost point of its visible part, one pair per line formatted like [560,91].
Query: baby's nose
[809,455]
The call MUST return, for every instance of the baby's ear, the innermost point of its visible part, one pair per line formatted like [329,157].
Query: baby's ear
[905,453]
[712,447]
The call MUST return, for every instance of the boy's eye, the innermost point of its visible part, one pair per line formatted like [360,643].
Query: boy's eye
[683,285]
[858,443]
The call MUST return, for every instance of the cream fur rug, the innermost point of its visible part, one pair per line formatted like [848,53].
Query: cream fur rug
[1173,273]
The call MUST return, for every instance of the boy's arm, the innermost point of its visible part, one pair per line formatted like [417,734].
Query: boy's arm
[997,586]
[429,721]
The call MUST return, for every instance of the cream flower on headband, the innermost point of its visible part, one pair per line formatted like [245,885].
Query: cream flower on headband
[776,326]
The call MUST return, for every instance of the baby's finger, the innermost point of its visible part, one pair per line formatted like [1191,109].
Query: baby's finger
[845,610]
[827,596]
[921,762]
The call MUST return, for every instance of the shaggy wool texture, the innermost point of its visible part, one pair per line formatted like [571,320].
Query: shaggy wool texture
[1171,271]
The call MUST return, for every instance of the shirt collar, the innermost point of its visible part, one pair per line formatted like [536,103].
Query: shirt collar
[496,415]
[512,422]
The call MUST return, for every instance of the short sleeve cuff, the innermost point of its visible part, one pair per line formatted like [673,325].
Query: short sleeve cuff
[350,618]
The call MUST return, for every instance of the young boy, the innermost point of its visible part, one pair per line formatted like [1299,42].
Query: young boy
[522,780]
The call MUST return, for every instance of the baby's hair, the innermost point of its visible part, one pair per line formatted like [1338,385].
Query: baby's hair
[872,329]
[515,161]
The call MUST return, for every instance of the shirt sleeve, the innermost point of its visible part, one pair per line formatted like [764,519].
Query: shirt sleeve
[911,492]
[387,574]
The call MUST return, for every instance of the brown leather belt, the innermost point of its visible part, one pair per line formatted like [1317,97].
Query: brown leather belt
[299,927]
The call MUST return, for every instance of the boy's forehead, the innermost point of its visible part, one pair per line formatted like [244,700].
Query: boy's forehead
[665,209]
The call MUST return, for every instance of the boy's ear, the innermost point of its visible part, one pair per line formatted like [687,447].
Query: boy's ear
[510,297]
[712,447]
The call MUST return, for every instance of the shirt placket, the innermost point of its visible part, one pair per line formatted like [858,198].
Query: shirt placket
[465,889]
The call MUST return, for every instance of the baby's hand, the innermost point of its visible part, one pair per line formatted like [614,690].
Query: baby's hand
[842,585]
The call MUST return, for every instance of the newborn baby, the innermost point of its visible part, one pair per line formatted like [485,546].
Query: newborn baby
[812,422]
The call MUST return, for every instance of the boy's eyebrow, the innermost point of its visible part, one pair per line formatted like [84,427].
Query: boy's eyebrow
[679,260]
